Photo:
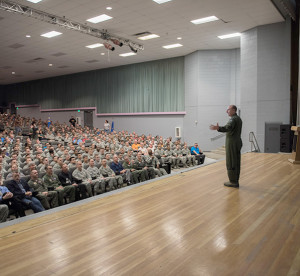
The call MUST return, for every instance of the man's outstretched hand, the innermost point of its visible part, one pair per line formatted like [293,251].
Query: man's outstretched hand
[214,127]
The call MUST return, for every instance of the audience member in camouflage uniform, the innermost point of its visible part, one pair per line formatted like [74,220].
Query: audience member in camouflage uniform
[140,164]
[108,175]
[83,177]
[94,172]
[47,198]
[52,181]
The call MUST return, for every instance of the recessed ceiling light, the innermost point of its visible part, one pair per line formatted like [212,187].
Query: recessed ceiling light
[34,1]
[150,36]
[109,8]
[229,35]
[102,54]
[179,38]
[127,54]
[28,36]
[172,46]
[161,1]
[50,64]
[205,20]
[94,45]
[51,34]
[13,73]
[99,18]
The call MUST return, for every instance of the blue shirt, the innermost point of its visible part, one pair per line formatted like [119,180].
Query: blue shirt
[3,189]
[116,167]
[195,149]
[77,141]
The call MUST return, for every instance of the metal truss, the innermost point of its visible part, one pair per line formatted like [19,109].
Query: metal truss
[65,23]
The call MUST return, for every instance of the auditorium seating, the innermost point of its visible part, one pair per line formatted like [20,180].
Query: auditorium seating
[97,139]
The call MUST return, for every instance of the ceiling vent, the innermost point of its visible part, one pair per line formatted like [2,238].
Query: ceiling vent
[34,60]
[92,61]
[16,46]
[142,34]
[59,54]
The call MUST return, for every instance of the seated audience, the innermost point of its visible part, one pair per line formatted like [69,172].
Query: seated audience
[83,177]
[64,147]
[119,171]
[44,195]
[3,212]
[12,202]
[23,193]
[200,157]
[53,184]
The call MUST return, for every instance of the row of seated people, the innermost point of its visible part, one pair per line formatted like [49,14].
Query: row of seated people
[53,189]
[69,146]
[39,159]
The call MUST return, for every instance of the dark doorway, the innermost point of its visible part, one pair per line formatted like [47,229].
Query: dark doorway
[88,118]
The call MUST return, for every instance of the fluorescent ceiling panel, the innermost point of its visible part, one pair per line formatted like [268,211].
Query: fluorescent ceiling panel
[150,36]
[205,20]
[34,1]
[94,45]
[172,46]
[229,35]
[51,34]
[161,1]
[127,54]
[99,18]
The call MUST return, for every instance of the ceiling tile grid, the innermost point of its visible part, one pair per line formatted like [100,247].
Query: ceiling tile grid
[169,20]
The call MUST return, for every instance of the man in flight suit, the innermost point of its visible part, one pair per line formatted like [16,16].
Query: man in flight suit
[233,145]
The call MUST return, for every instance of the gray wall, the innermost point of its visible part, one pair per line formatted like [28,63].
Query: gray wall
[155,125]
[255,78]
[265,81]
[163,125]
[211,84]
[62,117]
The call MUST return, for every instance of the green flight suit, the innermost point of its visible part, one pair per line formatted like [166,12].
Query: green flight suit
[134,173]
[233,146]
[53,181]
[49,200]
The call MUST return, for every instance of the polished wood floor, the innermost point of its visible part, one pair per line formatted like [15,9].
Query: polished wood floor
[187,224]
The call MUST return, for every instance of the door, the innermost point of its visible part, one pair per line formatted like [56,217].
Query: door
[88,118]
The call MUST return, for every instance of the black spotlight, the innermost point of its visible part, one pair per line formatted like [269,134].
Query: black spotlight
[117,42]
[132,49]
[108,46]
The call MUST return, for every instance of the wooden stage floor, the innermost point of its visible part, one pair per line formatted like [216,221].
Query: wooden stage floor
[187,224]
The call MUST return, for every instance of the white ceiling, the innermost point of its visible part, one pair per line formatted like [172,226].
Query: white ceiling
[169,20]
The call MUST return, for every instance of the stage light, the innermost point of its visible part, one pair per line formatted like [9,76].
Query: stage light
[116,42]
[108,46]
[132,49]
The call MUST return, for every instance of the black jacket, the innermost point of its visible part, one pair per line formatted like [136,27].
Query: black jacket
[16,190]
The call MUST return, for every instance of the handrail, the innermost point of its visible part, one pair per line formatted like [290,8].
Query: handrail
[253,141]
[217,137]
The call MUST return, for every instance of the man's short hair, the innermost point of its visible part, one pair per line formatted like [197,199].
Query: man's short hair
[234,108]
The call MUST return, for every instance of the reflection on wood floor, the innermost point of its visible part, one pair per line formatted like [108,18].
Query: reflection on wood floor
[187,224]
